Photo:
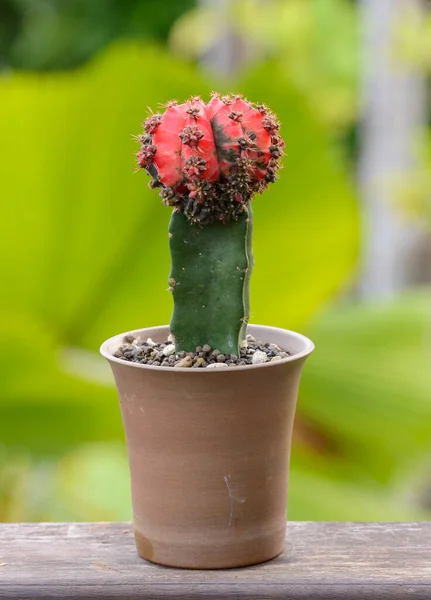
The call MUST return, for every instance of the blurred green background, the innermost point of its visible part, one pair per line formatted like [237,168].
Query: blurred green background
[84,241]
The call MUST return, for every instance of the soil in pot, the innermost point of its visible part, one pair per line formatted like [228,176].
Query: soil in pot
[147,352]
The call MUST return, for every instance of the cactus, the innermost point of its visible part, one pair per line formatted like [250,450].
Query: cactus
[208,160]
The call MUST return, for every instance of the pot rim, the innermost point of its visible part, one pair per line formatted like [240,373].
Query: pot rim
[308,349]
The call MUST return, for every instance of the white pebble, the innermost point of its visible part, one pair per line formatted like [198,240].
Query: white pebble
[250,338]
[243,344]
[168,350]
[275,358]
[259,357]
[150,342]
[171,338]
[217,366]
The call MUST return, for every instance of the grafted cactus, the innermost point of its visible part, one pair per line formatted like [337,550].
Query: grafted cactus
[208,161]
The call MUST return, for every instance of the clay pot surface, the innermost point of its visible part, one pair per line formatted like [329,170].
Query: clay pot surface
[209,453]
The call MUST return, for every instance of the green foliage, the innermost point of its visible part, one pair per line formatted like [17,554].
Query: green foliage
[59,34]
[85,254]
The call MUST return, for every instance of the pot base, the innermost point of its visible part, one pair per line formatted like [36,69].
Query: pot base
[209,557]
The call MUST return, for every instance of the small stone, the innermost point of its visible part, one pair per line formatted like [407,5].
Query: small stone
[181,354]
[232,364]
[250,338]
[150,342]
[171,359]
[136,352]
[275,358]
[284,354]
[198,349]
[221,358]
[165,363]
[215,353]
[130,338]
[259,357]
[243,344]
[202,362]
[217,366]
[185,362]
[233,357]
[274,347]
[171,338]
[168,350]
[118,353]
[206,348]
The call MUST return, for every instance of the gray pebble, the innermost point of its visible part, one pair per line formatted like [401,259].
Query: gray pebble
[217,366]
[152,353]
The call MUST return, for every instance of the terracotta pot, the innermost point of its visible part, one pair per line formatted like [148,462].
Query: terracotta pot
[209,454]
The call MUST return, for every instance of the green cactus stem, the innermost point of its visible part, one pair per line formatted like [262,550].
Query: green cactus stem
[210,282]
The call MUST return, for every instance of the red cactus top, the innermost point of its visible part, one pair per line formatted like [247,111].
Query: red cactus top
[210,159]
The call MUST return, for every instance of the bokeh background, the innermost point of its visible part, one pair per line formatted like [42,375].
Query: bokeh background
[342,241]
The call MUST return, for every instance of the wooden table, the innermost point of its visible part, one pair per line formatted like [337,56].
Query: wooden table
[322,561]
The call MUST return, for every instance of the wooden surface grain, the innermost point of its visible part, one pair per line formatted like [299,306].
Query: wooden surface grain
[322,561]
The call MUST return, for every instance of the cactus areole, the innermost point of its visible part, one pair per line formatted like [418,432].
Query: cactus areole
[208,160]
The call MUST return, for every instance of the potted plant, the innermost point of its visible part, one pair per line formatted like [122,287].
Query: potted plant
[208,408]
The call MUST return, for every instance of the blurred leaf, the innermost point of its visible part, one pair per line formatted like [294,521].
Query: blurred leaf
[315,496]
[368,385]
[93,484]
